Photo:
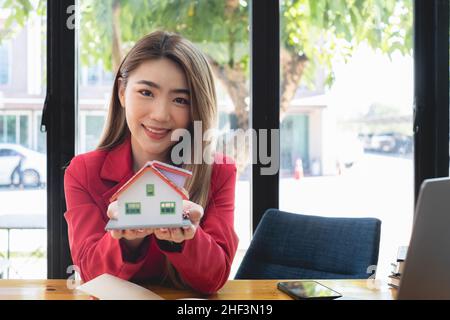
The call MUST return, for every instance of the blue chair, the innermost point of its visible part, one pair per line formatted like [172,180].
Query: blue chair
[295,246]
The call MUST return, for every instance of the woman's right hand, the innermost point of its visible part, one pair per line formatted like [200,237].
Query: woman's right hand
[134,236]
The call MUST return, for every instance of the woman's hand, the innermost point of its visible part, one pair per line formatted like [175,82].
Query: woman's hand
[191,210]
[134,236]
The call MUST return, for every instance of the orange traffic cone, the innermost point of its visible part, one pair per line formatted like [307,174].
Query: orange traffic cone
[298,173]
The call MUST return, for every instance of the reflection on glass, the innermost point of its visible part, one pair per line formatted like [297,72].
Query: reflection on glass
[219,28]
[346,114]
[11,129]
[94,126]
[23,167]
[4,63]
[308,290]
[23,124]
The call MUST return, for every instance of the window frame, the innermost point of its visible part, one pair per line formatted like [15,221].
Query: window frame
[58,118]
[18,130]
[430,113]
[431,91]
[152,185]
[133,208]
[265,70]
[163,207]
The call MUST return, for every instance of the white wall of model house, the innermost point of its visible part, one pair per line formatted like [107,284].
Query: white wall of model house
[150,206]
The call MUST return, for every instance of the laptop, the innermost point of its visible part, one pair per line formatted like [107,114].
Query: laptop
[427,265]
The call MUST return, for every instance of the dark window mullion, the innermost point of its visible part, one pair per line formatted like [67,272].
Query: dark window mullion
[431,74]
[59,118]
[265,98]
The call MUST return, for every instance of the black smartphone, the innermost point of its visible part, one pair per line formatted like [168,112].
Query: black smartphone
[302,290]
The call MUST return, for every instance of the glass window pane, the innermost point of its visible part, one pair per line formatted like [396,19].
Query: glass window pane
[2,129]
[346,114]
[24,131]
[23,235]
[4,63]
[11,134]
[133,208]
[41,144]
[150,190]
[219,28]
[94,127]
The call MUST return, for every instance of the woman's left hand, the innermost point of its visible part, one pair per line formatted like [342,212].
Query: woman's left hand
[194,212]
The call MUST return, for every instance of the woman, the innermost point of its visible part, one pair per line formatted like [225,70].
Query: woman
[163,84]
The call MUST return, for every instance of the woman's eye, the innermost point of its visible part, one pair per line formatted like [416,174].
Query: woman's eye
[146,93]
[182,101]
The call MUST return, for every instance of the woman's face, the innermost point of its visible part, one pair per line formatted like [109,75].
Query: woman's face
[156,101]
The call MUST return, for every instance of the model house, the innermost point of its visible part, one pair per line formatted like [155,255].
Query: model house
[152,198]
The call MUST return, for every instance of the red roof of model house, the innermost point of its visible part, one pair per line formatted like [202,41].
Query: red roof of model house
[158,168]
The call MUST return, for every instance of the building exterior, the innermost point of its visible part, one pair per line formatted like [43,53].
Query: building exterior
[23,89]
[306,129]
[308,133]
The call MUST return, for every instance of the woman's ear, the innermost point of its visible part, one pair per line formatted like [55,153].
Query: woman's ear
[121,91]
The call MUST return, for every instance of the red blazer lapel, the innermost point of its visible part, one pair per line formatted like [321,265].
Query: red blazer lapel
[117,168]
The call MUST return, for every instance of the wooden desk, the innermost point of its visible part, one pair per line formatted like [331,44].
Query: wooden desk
[233,290]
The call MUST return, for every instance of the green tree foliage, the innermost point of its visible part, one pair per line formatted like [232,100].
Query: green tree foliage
[19,13]
[328,29]
[314,33]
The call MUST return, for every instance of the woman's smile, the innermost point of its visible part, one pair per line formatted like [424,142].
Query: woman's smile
[155,133]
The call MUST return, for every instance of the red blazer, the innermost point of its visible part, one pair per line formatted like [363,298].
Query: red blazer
[204,262]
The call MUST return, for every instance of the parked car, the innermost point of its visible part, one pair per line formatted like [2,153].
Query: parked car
[390,142]
[20,166]
[383,142]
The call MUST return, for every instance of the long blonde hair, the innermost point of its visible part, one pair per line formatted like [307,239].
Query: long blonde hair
[157,45]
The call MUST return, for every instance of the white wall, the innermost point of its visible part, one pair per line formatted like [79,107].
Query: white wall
[150,206]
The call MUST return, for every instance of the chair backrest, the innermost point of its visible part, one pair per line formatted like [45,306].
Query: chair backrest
[295,246]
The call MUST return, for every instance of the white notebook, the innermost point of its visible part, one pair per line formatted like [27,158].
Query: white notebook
[108,287]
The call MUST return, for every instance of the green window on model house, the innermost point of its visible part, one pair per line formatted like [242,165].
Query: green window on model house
[133,208]
[150,190]
[167,207]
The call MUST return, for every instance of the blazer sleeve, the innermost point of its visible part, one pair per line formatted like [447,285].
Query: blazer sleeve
[204,262]
[93,249]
